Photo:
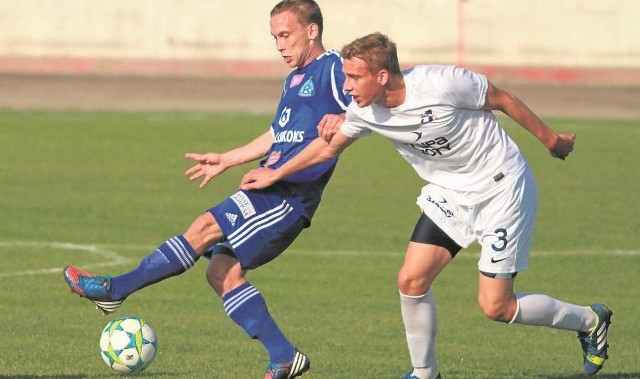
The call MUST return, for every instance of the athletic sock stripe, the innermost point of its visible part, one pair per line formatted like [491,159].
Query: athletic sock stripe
[181,252]
[233,309]
[185,251]
[175,251]
[178,251]
[249,224]
[239,299]
[264,223]
[238,296]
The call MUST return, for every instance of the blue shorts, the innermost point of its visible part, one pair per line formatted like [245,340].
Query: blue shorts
[258,225]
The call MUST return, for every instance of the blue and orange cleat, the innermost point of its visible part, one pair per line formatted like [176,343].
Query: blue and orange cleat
[297,367]
[92,287]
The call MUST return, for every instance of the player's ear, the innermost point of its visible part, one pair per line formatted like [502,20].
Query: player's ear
[383,77]
[312,31]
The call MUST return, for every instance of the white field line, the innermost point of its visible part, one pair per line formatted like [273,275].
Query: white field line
[107,256]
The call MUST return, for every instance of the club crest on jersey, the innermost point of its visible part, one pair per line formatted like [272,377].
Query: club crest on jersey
[426,117]
[308,89]
[297,79]
[285,115]
[244,204]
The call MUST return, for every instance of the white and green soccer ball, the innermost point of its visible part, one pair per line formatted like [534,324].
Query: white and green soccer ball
[128,344]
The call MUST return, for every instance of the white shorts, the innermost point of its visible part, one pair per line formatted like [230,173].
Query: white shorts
[503,224]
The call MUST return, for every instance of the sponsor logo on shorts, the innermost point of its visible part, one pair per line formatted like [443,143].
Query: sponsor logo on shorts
[438,204]
[244,204]
[494,260]
[232,218]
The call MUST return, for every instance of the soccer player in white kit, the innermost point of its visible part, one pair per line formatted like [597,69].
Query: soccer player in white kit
[480,188]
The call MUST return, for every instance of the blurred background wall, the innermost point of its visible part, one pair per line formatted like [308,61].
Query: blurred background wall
[530,40]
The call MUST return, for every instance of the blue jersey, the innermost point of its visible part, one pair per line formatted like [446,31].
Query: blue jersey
[309,93]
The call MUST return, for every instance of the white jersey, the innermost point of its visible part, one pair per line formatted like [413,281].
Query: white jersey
[441,130]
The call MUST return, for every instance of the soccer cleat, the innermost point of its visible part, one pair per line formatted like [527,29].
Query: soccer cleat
[594,343]
[92,287]
[297,367]
[410,375]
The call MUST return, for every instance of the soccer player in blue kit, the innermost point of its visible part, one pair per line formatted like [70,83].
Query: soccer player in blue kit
[250,228]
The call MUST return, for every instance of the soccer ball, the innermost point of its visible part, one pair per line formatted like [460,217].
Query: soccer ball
[128,344]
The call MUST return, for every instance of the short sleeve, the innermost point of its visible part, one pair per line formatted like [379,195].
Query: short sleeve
[354,126]
[462,88]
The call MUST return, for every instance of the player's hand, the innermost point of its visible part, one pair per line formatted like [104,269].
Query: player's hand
[209,166]
[329,125]
[258,178]
[562,146]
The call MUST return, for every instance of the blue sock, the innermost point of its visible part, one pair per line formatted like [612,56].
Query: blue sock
[246,306]
[173,257]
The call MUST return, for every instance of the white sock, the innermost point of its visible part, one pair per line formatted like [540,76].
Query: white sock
[421,325]
[542,310]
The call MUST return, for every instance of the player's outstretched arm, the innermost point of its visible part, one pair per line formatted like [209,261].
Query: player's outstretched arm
[317,151]
[210,165]
[559,145]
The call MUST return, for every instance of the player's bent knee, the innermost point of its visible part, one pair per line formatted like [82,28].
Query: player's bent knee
[203,232]
[203,223]
[496,311]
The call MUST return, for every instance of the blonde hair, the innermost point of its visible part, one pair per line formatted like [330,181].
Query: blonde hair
[377,50]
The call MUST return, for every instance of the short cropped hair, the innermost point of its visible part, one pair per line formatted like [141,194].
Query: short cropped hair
[377,50]
[307,11]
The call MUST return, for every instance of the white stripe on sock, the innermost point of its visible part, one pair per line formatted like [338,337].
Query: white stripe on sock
[185,252]
[176,251]
[238,299]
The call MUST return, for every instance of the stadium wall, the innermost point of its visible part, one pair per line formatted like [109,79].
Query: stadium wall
[584,41]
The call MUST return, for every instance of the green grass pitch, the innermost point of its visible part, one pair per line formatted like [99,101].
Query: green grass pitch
[101,190]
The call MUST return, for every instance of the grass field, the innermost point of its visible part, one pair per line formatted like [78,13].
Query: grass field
[101,190]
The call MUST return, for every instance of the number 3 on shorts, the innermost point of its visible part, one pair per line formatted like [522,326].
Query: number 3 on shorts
[501,233]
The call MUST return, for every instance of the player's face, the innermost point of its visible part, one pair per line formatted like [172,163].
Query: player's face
[293,40]
[363,85]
